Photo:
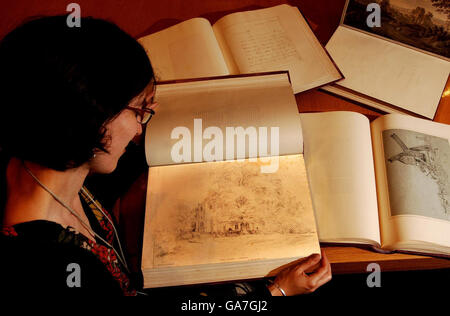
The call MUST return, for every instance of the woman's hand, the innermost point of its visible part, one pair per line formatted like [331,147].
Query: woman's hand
[297,279]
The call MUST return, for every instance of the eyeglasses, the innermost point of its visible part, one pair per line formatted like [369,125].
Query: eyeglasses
[143,115]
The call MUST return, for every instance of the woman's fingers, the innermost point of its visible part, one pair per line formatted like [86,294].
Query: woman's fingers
[321,272]
[324,267]
[295,280]
[320,275]
[307,264]
[326,278]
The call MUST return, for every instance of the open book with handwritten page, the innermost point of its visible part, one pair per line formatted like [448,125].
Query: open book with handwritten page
[385,184]
[270,39]
[227,196]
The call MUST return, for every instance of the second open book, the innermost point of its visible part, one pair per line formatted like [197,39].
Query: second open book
[270,39]
[384,184]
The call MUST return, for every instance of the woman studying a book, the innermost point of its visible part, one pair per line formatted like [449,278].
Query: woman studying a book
[72,99]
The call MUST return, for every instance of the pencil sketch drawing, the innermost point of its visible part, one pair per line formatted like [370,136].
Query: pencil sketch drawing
[421,164]
[228,211]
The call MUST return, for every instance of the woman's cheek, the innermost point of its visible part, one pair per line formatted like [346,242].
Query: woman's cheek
[103,163]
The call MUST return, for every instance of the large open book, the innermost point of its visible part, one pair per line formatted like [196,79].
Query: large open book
[271,39]
[384,184]
[228,196]
[402,65]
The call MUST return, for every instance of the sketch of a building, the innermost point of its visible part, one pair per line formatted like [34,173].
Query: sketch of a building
[198,226]
[238,228]
[201,224]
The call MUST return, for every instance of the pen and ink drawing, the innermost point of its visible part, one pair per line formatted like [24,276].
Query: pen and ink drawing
[418,169]
[231,211]
[424,24]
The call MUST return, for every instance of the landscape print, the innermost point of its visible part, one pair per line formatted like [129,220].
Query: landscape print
[424,24]
[418,170]
[229,212]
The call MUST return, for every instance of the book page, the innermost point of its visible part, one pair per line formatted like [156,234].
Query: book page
[186,50]
[233,213]
[224,119]
[392,73]
[412,159]
[338,155]
[276,38]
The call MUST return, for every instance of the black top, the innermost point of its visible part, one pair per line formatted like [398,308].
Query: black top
[38,257]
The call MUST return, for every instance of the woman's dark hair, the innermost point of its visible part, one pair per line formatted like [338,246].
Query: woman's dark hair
[60,84]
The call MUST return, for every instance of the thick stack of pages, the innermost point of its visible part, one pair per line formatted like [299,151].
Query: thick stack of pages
[271,39]
[384,184]
[402,65]
[209,220]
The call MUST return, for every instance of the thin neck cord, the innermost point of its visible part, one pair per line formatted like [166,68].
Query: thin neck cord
[122,260]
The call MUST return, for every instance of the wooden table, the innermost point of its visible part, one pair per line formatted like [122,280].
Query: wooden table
[140,17]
